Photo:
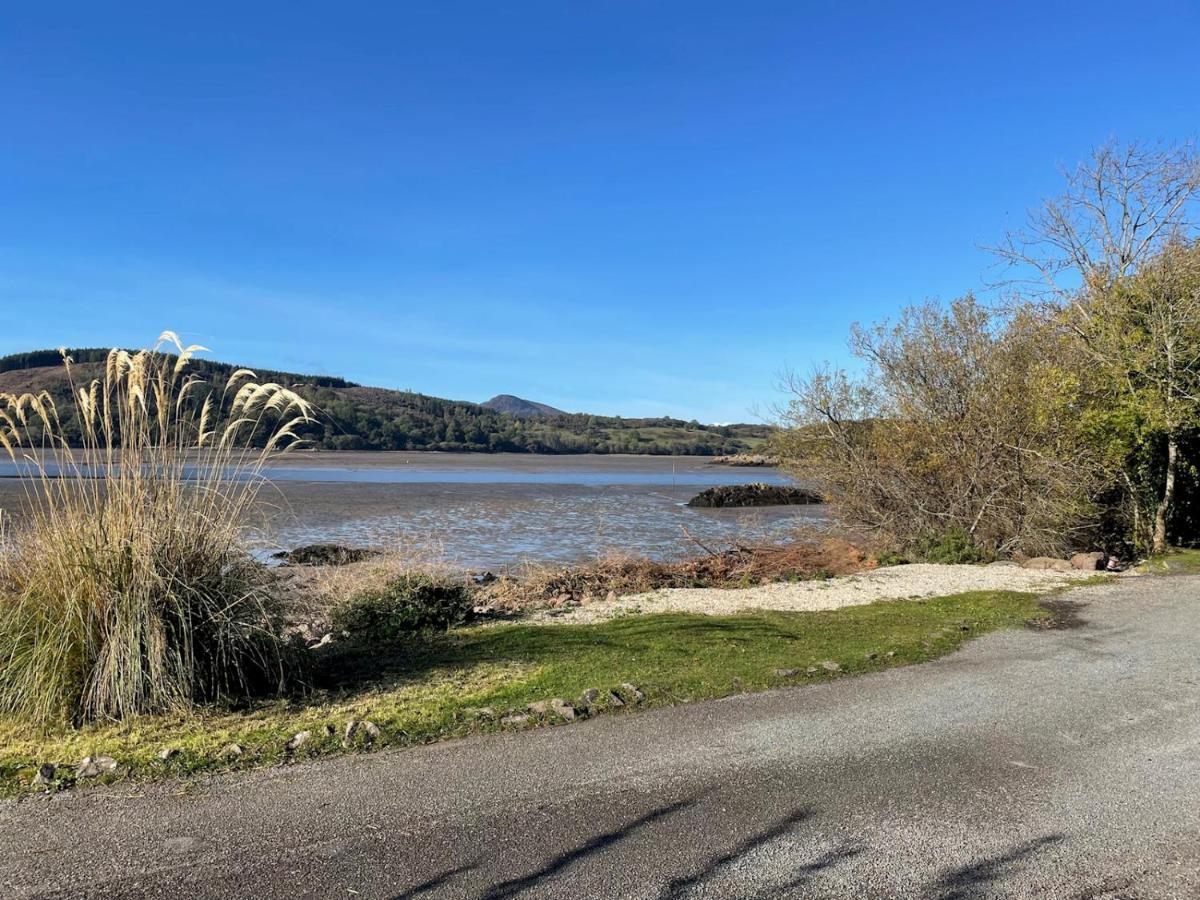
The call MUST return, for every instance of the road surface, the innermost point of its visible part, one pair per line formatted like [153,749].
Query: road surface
[1030,764]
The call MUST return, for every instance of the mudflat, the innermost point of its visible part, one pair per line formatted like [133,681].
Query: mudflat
[490,511]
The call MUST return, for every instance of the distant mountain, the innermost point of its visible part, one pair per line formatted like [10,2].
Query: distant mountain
[353,417]
[518,406]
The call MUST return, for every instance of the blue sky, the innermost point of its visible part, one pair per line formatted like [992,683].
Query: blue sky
[640,208]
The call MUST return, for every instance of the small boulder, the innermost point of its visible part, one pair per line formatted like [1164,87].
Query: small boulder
[232,751]
[92,766]
[786,673]
[830,666]
[563,709]
[44,775]
[517,720]
[350,731]
[539,708]
[327,730]
[1088,562]
[811,670]
[614,699]
[632,691]
[168,753]
[589,698]
[298,740]
[370,730]
[479,712]
[1048,564]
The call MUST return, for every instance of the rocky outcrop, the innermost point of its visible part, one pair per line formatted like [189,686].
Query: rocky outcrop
[739,495]
[324,555]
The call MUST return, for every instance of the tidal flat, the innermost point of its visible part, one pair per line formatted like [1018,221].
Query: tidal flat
[489,511]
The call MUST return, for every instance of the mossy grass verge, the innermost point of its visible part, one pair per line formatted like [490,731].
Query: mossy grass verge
[1180,561]
[470,679]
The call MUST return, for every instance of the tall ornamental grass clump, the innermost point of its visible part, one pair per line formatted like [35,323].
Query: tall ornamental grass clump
[127,589]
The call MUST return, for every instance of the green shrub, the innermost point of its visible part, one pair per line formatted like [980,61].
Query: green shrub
[953,546]
[408,605]
[890,557]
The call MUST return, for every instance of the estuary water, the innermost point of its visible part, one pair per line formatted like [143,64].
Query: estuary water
[489,511]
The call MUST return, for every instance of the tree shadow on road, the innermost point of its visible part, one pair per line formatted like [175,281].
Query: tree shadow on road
[431,884]
[716,865]
[976,879]
[515,886]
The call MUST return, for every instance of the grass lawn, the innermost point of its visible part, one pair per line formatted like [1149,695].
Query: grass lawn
[466,681]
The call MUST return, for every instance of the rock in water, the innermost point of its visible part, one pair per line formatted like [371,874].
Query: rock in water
[754,495]
[324,555]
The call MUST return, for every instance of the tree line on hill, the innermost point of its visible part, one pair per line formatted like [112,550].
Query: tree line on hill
[1064,416]
[352,417]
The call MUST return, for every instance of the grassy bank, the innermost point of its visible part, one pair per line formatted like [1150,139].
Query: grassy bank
[469,680]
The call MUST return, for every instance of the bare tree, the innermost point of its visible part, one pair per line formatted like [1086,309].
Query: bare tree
[1119,208]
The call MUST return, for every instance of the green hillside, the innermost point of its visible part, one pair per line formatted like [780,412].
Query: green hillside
[354,417]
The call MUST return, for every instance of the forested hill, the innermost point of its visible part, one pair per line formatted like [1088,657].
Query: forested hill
[353,417]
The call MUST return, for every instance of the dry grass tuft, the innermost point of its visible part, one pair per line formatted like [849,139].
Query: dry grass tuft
[126,589]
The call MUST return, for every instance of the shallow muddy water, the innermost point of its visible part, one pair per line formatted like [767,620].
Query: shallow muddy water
[493,510]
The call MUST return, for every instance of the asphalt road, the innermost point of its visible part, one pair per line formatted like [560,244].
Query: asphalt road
[1030,764]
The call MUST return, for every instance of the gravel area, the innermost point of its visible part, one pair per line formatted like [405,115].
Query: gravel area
[908,582]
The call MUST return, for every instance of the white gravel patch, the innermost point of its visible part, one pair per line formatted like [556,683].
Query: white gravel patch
[909,582]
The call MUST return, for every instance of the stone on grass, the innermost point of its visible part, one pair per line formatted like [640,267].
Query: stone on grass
[614,699]
[370,730]
[298,740]
[633,692]
[328,730]
[350,731]
[44,774]
[539,707]
[91,766]
[1088,562]
[891,653]
[830,666]
[562,709]
[811,670]
[786,673]
[168,753]
[589,698]
[516,720]
[232,750]
[479,712]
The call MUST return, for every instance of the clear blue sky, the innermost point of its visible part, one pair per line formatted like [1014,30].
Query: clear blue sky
[623,207]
